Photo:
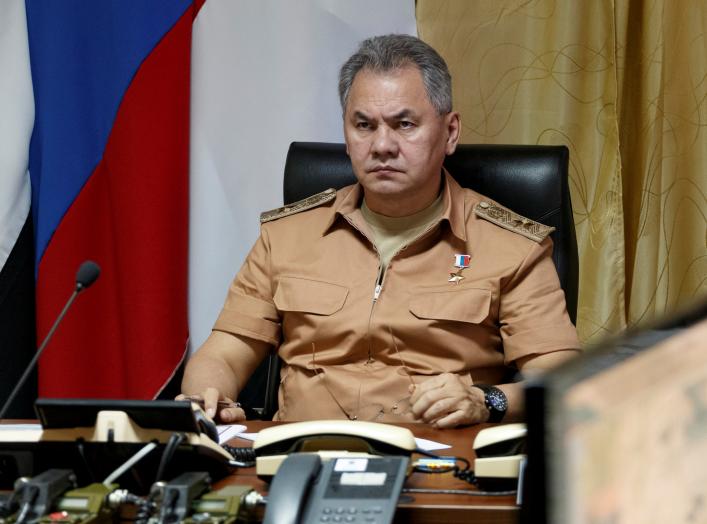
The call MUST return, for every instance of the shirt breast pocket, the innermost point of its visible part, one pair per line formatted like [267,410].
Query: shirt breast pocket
[304,295]
[469,305]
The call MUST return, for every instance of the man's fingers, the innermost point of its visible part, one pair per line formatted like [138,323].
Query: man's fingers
[440,409]
[213,404]
[464,412]
[211,396]
[425,401]
[431,384]
[230,415]
[452,420]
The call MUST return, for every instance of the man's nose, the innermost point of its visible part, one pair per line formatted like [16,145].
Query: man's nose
[385,143]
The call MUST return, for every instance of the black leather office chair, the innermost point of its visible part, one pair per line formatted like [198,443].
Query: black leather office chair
[530,180]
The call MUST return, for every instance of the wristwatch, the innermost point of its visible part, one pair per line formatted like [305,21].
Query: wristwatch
[496,402]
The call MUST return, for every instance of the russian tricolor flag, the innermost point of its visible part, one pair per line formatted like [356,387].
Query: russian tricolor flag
[109,159]
[461,261]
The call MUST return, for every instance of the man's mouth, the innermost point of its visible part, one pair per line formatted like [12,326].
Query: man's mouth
[389,169]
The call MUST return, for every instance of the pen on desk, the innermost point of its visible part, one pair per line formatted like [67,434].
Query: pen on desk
[221,403]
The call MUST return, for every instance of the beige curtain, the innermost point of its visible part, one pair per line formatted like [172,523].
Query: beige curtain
[623,84]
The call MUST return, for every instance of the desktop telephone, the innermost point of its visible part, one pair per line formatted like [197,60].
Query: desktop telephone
[500,451]
[329,438]
[346,489]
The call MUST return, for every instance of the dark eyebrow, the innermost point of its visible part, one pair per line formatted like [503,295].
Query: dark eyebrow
[401,115]
[359,114]
[405,113]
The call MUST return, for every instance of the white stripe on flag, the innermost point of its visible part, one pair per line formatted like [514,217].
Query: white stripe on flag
[16,120]
[264,74]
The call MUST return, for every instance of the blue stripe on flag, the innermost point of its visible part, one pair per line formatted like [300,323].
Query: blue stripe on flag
[83,56]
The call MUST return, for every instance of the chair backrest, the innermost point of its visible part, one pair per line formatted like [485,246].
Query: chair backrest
[531,180]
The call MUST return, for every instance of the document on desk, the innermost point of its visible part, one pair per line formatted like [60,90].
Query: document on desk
[228,431]
[20,427]
[430,445]
[21,432]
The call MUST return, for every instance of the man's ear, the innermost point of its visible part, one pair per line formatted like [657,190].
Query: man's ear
[453,122]
[346,142]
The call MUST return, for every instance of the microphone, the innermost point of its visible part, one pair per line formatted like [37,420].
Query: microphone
[86,275]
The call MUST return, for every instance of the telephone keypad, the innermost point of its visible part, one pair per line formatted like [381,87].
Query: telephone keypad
[350,514]
[360,491]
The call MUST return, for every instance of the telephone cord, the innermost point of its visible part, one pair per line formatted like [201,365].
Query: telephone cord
[243,457]
[464,473]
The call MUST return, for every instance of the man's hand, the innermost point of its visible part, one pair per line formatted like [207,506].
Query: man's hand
[446,402]
[216,373]
[216,406]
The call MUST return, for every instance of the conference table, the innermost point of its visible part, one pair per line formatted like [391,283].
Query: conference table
[469,506]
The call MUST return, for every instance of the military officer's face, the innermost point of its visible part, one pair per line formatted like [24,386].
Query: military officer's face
[397,140]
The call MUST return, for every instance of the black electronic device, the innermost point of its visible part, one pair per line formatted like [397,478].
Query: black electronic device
[619,434]
[34,497]
[95,438]
[167,415]
[179,494]
[346,489]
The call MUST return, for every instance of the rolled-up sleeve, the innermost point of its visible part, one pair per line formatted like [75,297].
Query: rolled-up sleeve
[249,309]
[533,314]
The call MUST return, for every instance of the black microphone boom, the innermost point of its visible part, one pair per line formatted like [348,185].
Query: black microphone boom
[86,275]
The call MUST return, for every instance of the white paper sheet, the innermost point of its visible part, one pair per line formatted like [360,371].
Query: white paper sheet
[228,431]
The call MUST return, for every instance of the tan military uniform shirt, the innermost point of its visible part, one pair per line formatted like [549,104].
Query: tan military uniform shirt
[308,287]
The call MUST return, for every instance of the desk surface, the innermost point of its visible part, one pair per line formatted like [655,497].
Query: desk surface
[424,507]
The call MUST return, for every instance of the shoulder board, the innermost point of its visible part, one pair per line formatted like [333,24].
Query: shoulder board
[300,205]
[507,219]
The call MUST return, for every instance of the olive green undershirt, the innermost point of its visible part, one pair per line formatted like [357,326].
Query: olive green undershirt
[391,234]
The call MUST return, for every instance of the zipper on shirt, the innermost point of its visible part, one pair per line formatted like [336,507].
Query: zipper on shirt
[379,283]
[376,293]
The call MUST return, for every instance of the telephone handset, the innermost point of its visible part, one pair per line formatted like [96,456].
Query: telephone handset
[329,438]
[289,488]
[345,489]
[500,450]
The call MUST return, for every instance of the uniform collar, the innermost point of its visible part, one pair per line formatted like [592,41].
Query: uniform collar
[453,203]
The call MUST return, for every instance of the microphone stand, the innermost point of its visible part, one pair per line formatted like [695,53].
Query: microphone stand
[29,368]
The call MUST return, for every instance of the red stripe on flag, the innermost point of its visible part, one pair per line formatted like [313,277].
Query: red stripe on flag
[125,336]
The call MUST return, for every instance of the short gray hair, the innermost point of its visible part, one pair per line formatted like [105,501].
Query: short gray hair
[386,53]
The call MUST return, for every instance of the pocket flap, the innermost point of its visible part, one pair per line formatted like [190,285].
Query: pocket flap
[462,305]
[309,296]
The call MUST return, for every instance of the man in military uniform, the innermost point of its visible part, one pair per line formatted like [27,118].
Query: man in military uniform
[403,297]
